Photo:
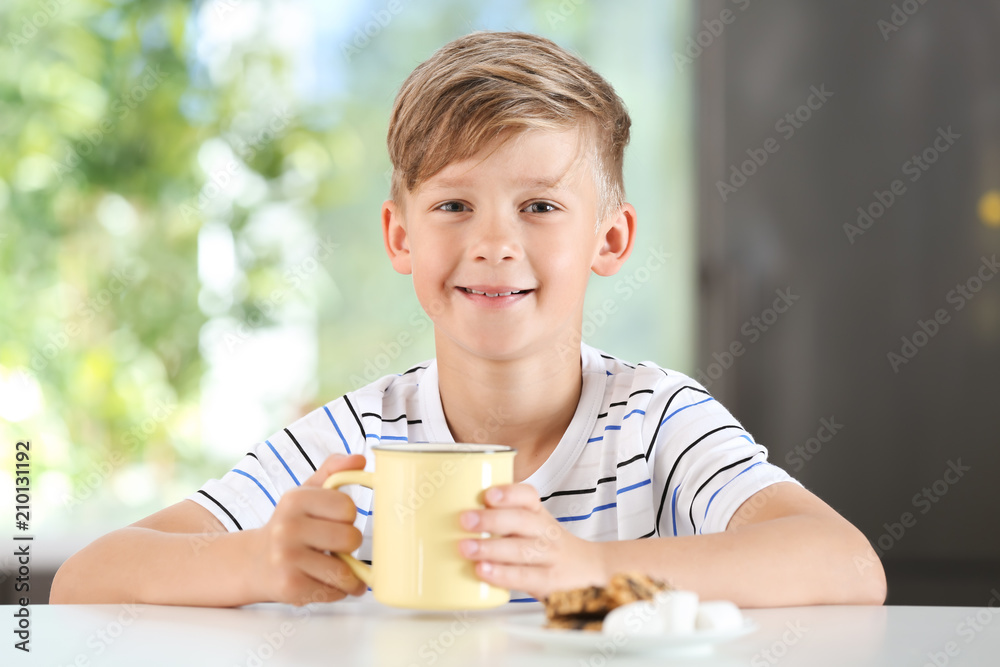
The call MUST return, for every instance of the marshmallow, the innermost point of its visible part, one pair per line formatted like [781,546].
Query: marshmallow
[720,615]
[637,619]
[678,609]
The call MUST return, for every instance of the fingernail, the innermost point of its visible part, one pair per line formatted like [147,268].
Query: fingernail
[486,567]
[470,547]
[470,520]
[494,495]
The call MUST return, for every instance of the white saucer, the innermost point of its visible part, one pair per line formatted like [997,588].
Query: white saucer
[529,627]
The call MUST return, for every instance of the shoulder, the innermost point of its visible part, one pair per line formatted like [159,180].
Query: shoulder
[627,380]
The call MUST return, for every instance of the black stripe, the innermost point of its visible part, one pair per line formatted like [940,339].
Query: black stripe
[603,414]
[205,493]
[717,472]
[631,460]
[640,391]
[414,421]
[656,367]
[663,414]
[615,405]
[356,418]
[649,534]
[604,356]
[308,460]
[366,562]
[666,486]
[415,368]
[253,455]
[578,492]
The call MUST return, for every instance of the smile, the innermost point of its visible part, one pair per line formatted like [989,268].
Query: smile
[489,294]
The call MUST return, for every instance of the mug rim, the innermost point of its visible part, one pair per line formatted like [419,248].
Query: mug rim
[443,448]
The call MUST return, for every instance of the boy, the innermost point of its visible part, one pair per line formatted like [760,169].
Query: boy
[506,193]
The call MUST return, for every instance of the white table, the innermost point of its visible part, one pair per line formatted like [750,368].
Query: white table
[363,632]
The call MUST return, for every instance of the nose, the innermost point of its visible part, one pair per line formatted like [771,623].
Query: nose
[495,239]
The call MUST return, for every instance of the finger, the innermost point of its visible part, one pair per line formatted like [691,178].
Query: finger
[513,495]
[534,580]
[505,522]
[335,463]
[320,503]
[323,535]
[509,550]
[329,570]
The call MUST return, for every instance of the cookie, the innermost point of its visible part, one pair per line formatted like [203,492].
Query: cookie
[587,623]
[590,600]
[629,587]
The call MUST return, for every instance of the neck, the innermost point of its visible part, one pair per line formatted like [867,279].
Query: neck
[525,403]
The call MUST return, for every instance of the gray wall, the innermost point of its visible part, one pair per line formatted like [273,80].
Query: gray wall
[857,294]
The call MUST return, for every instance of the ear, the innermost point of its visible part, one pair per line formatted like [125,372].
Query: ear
[616,238]
[394,236]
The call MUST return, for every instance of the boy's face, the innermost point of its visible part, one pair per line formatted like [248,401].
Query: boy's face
[500,246]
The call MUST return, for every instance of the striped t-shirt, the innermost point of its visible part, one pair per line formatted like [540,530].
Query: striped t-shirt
[648,453]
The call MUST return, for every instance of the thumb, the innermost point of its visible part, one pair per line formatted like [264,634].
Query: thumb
[335,463]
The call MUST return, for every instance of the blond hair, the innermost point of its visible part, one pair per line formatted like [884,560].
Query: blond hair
[487,86]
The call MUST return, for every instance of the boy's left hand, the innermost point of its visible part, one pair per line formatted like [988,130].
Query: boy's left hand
[531,551]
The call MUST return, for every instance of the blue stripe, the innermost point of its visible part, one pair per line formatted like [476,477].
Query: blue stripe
[634,486]
[361,511]
[524,600]
[612,428]
[685,408]
[586,516]
[249,476]
[292,474]
[748,439]
[673,508]
[386,437]
[600,437]
[720,489]
[634,412]
[334,422]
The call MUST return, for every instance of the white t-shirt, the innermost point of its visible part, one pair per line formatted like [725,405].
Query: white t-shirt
[648,453]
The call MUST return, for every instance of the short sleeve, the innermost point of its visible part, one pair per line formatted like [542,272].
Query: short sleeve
[704,464]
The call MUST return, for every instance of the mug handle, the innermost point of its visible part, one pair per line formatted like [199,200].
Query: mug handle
[342,478]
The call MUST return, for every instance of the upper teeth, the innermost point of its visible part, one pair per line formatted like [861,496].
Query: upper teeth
[472,291]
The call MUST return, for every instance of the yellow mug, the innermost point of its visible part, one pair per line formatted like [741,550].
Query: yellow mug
[420,490]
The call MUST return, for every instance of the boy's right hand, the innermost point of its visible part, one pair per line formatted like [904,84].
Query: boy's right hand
[288,560]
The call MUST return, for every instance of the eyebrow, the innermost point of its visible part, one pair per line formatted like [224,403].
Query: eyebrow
[541,182]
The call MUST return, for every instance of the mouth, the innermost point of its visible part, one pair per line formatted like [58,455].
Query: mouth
[494,294]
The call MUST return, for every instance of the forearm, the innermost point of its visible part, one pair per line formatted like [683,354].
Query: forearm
[141,565]
[789,561]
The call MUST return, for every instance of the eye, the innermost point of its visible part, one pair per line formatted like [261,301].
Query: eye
[452,207]
[534,207]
